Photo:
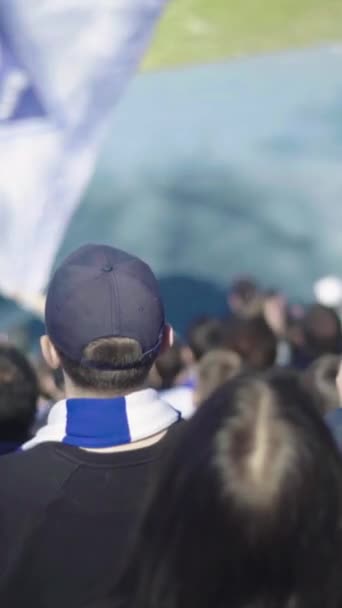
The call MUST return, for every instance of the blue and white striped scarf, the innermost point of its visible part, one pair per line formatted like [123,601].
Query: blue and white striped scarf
[105,423]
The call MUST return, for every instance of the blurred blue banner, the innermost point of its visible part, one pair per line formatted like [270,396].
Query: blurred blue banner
[63,64]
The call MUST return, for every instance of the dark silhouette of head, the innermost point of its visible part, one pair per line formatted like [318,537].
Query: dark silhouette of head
[18,395]
[322,331]
[245,298]
[205,334]
[254,341]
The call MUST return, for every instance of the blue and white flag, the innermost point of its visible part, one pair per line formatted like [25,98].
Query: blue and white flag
[63,65]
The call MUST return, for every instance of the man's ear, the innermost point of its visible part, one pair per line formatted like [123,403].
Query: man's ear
[49,352]
[168,338]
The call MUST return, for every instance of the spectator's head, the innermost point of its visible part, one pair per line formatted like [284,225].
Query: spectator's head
[320,380]
[170,364]
[18,395]
[206,334]
[248,509]
[321,331]
[245,299]
[105,321]
[214,369]
[254,341]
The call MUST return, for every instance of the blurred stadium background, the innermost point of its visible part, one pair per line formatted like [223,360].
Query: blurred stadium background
[224,155]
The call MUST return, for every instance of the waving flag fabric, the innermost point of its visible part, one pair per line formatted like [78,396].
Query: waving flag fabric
[63,65]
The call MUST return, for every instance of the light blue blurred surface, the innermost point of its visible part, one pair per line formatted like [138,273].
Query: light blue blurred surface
[234,168]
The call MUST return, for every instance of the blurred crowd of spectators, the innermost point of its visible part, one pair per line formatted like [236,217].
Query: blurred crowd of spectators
[260,331]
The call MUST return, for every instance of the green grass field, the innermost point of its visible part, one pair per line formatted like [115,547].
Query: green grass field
[194,31]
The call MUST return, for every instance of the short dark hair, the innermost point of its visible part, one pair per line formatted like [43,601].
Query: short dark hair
[245,298]
[322,331]
[320,380]
[248,508]
[205,334]
[254,341]
[18,394]
[246,288]
[112,352]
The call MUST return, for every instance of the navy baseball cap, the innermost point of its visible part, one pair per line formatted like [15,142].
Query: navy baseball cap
[102,292]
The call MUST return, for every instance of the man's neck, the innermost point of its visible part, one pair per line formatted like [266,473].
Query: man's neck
[75,392]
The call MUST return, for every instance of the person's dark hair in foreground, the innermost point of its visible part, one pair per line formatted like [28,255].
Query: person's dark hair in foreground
[18,397]
[248,511]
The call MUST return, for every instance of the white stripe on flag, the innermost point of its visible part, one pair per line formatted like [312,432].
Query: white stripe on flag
[63,65]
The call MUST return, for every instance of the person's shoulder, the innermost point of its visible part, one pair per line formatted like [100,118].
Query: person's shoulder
[23,459]
[33,473]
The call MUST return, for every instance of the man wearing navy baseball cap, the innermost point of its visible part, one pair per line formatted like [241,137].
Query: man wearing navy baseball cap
[70,500]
